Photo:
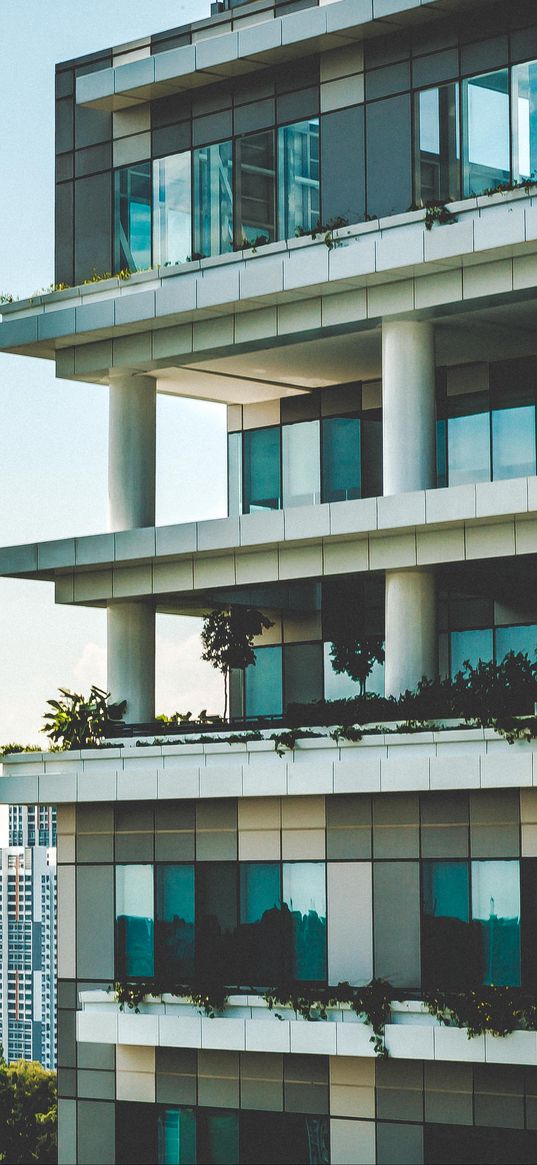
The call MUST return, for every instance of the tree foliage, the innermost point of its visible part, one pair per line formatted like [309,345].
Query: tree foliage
[227,638]
[356,657]
[80,722]
[28,1114]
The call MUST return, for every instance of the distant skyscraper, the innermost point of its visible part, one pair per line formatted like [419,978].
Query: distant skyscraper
[28,935]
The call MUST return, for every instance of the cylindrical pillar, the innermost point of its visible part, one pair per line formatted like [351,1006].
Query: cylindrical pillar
[408,406]
[411,638]
[132,452]
[131,658]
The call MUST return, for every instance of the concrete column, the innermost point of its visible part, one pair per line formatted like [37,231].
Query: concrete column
[411,637]
[131,452]
[408,406]
[131,658]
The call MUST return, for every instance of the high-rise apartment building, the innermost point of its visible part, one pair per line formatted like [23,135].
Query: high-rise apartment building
[264,173]
[28,934]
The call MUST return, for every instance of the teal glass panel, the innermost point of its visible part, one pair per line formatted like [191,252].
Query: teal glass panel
[304,920]
[234,473]
[372,485]
[132,217]
[472,646]
[496,916]
[449,960]
[260,923]
[263,683]
[522,638]
[176,1136]
[262,475]
[441,453]
[524,82]
[135,921]
[218,1136]
[486,144]
[298,178]
[213,200]
[513,442]
[301,459]
[437,171]
[216,921]
[175,920]
[341,460]
[255,188]
[468,448]
[172,217]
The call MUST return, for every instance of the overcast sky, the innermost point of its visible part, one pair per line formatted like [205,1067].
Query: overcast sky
[53,433]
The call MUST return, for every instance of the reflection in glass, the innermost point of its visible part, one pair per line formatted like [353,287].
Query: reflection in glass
[371,456]
[262,481]
[216,920]
[341,468]
[263,683]
[132,217]
[302,673]
[470,645]
[255,182]
[176,1136]
[172,237]
[218,1136]
[513,442]
[437,178]
[284,1138]
[304,920]
[213,200]
[486,160]
[134,920]
[260,918]
[521,638]
[446,939]
[175,919]
[298,177]
[341,687]
[496,908]
[524,79]
[234,474]
[301,464]
[468,448]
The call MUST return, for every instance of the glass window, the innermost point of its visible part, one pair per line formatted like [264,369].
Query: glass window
[216,919]
[255,177]
[469,448]
[513,442]
[522,638]
[303,673]
[262,478]
[437,111]
[218,1136]
[213,200]
[372,485]
[496,914]
[298,177]
[301,464]
[263,683]
[470,645]
[341,460]
[260,917]
[234,473]
[172,220]
[132,226]
[274,1138]
[176,1136]
[486,161]
[447,1144]
[134,921]
[446,938]
[175,920]
[304,920]
[524,79]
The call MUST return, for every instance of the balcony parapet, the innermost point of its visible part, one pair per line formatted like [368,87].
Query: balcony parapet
[447,759]
[248,1025]
[388,267]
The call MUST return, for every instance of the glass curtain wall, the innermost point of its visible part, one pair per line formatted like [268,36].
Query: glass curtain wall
[301,456]
[132,225]
[255,189]
[213,200]
[437,136]
[299,205]
[175,923]
[135,914]
[172,217]
[489,435]
[262,474]
[524,87]
[486,138]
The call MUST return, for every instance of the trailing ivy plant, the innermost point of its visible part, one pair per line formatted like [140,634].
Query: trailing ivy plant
[210,997]
[496,1010]
[325,229]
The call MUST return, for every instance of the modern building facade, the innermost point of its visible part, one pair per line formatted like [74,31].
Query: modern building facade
[28,935]
[325,218]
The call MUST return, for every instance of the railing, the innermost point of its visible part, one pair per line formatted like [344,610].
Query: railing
[119,730]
